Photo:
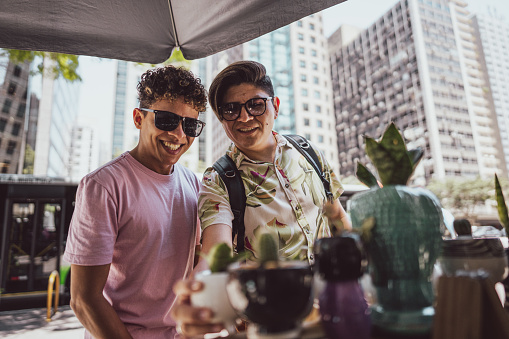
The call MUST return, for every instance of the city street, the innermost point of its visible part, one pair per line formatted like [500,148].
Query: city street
[31,323]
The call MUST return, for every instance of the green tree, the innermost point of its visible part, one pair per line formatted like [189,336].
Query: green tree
[64,65]
[28,163]
[461,196]
[176,59]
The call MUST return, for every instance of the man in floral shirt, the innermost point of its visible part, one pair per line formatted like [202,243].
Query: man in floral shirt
[283,190]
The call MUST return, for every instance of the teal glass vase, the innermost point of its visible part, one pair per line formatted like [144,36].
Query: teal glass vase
[404,245]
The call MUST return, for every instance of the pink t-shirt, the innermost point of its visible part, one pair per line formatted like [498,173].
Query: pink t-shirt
[146,225]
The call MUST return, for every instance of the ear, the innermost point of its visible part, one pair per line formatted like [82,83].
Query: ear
[137,118]
[276,103]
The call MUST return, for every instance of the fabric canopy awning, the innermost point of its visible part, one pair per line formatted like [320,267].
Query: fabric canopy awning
[144,30]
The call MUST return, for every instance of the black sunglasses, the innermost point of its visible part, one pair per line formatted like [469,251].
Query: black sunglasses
[254,107]
[168,121]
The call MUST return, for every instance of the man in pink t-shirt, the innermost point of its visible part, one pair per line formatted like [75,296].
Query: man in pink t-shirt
[135,224]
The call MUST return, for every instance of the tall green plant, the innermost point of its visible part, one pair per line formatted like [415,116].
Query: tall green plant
[503,213]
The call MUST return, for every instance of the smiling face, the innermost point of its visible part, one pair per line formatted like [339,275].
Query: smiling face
[252,134]
[159,150]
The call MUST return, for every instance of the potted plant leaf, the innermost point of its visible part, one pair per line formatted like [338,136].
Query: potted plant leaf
[213,295]
[401,231]
[272,295]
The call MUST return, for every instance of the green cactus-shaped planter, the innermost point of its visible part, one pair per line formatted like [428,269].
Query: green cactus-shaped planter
[267,248]
[401,227]
[220,256]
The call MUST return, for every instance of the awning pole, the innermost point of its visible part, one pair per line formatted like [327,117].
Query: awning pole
[177,43]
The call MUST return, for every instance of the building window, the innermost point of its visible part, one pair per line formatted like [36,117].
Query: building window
[313,40]
[318,109]
[318,123]
[15,128]
[316,81]
[305,107]
[312,27]
[306,122]
[11,90]
[3,123]
[11,147]
[307,136]
[315,66]
[17,71]
[299,23]
[21,110]
[301,50]
[313,52]
[7,106]
[320,139]
[302,64]
[304,92]
[5,166]
[303,78]
[317,94]
[300,36]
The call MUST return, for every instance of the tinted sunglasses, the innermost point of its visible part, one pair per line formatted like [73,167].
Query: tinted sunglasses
[168,121]
[254,107]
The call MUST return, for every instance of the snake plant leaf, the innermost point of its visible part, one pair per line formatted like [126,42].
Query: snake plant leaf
[390,157]
[394,167]
[365,176]
[503,214]
[416,156]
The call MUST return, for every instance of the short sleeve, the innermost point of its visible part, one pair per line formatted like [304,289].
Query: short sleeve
[213,202]
[94,226]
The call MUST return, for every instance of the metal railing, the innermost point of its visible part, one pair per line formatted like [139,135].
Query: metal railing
[54,279]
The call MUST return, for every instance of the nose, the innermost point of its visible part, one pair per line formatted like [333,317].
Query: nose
[179,131]
[244,115]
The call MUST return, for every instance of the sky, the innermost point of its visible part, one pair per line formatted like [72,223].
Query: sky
[97,87]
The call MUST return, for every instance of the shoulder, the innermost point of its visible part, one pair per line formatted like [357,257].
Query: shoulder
[185,174]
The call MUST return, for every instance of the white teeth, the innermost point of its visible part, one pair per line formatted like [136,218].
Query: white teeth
[173,147]
[246,129]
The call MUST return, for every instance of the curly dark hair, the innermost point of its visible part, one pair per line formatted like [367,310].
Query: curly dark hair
[240,72]
[170,83]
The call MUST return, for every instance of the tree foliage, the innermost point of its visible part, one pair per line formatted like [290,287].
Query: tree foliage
[28,164]
[64,65]
[461,196]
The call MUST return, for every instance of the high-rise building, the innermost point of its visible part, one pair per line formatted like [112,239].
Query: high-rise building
[493,47]
[296,59]
[84,152]
[418,66]
[13,103]
[57,115]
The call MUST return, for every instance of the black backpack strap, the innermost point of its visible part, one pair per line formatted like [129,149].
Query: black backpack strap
[303,146]
[230,174]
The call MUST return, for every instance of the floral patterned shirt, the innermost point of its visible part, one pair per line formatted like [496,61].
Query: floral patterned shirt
[287,195]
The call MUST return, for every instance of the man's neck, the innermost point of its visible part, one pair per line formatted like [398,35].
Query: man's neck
[265,154]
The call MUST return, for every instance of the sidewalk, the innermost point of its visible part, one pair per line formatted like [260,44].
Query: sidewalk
[32,324]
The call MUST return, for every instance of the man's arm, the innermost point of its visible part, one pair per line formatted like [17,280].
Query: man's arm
[196,320]
[89,304]
[337,216]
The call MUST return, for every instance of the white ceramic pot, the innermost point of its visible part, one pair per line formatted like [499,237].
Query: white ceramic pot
[214,296]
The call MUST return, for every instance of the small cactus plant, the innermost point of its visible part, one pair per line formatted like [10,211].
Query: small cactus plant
[220,256]
[503,214]
[266,247]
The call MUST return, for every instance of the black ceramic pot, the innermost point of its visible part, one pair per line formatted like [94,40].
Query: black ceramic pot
[276,299]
